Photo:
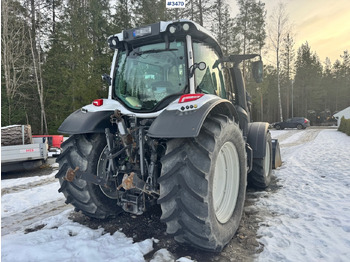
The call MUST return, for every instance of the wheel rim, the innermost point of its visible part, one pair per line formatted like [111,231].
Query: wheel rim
[102,167]
[267,159]
[226,182]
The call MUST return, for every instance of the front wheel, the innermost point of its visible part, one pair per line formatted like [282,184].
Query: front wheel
[260,176]
[203,185]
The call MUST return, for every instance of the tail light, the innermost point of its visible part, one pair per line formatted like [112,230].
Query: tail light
[189,97]
[305,121]
[98,102]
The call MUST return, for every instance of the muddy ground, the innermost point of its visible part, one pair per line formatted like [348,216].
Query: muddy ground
[243,247]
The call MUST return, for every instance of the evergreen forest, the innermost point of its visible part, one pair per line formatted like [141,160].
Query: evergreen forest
[53,53]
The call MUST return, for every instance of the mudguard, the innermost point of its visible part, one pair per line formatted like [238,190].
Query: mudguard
[256,138]
[276,154]
[81,122]
[187,123]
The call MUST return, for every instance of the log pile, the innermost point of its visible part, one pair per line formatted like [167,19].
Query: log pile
[12,135]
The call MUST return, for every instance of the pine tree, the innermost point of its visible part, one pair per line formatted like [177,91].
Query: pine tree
[250,25]
[78,56]
[308,94]
[217,26]
[250,28]
[287,69]
[149,12]
[122,19]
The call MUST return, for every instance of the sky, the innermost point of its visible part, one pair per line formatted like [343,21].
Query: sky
[324,24]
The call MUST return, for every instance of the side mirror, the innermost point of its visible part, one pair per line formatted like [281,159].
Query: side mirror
[201,66]
[258,71]
[107,79]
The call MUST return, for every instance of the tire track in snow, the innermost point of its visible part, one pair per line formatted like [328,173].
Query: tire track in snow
[296,137]
[282,135]
[22,187]
[22,220]
[311,221]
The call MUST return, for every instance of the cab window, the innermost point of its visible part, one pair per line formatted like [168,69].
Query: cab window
[211,79]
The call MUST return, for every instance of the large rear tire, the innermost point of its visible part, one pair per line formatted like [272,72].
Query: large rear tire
[260,176]
[85,151]
[203,185]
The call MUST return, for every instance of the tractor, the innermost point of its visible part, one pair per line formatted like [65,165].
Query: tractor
[175,131]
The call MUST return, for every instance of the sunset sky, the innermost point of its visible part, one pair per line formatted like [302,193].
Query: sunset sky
[324,24]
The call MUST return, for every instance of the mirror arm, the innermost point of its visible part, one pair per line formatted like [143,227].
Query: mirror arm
[107,78]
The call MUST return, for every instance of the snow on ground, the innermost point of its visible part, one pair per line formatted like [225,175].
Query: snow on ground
[57,238]
[63,240]
[307,219]
[10,183]
[29,198]
[310,214]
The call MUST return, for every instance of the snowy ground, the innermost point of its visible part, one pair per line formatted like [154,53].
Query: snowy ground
[310,215]
[307,219]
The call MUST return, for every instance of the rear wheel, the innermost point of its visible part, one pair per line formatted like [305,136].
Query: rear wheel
[260,176]
[87,153]
[203,185]
[299,126]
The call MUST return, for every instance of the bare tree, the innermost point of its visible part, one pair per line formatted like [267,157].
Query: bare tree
[13,46]
[36,54]
[277,31]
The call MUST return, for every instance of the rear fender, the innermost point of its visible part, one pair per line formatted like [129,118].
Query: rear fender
[257,138]
[186,119]
[82,122]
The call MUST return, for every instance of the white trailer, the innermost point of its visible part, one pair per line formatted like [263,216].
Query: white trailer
[25,156]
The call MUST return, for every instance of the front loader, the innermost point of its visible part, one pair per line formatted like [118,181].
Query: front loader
[174,131]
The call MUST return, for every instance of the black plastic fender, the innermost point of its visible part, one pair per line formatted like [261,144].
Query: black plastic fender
[181,124]
[257,138]
[81,122]
[276,154]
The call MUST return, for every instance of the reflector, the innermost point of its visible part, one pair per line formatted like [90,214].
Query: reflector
[189,97]
[98,102]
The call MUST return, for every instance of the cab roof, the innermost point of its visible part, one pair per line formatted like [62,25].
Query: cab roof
[162,30]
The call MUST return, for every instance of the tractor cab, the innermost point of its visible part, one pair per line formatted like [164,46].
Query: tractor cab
[156,64]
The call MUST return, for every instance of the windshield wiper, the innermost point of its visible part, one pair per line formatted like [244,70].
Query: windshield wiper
[139,53]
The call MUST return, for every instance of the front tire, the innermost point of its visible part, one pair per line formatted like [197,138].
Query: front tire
[84,151]
[203,185]
[260,176]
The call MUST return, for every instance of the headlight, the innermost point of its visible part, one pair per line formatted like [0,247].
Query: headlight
[113,42]
[172,29]
[186,27]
